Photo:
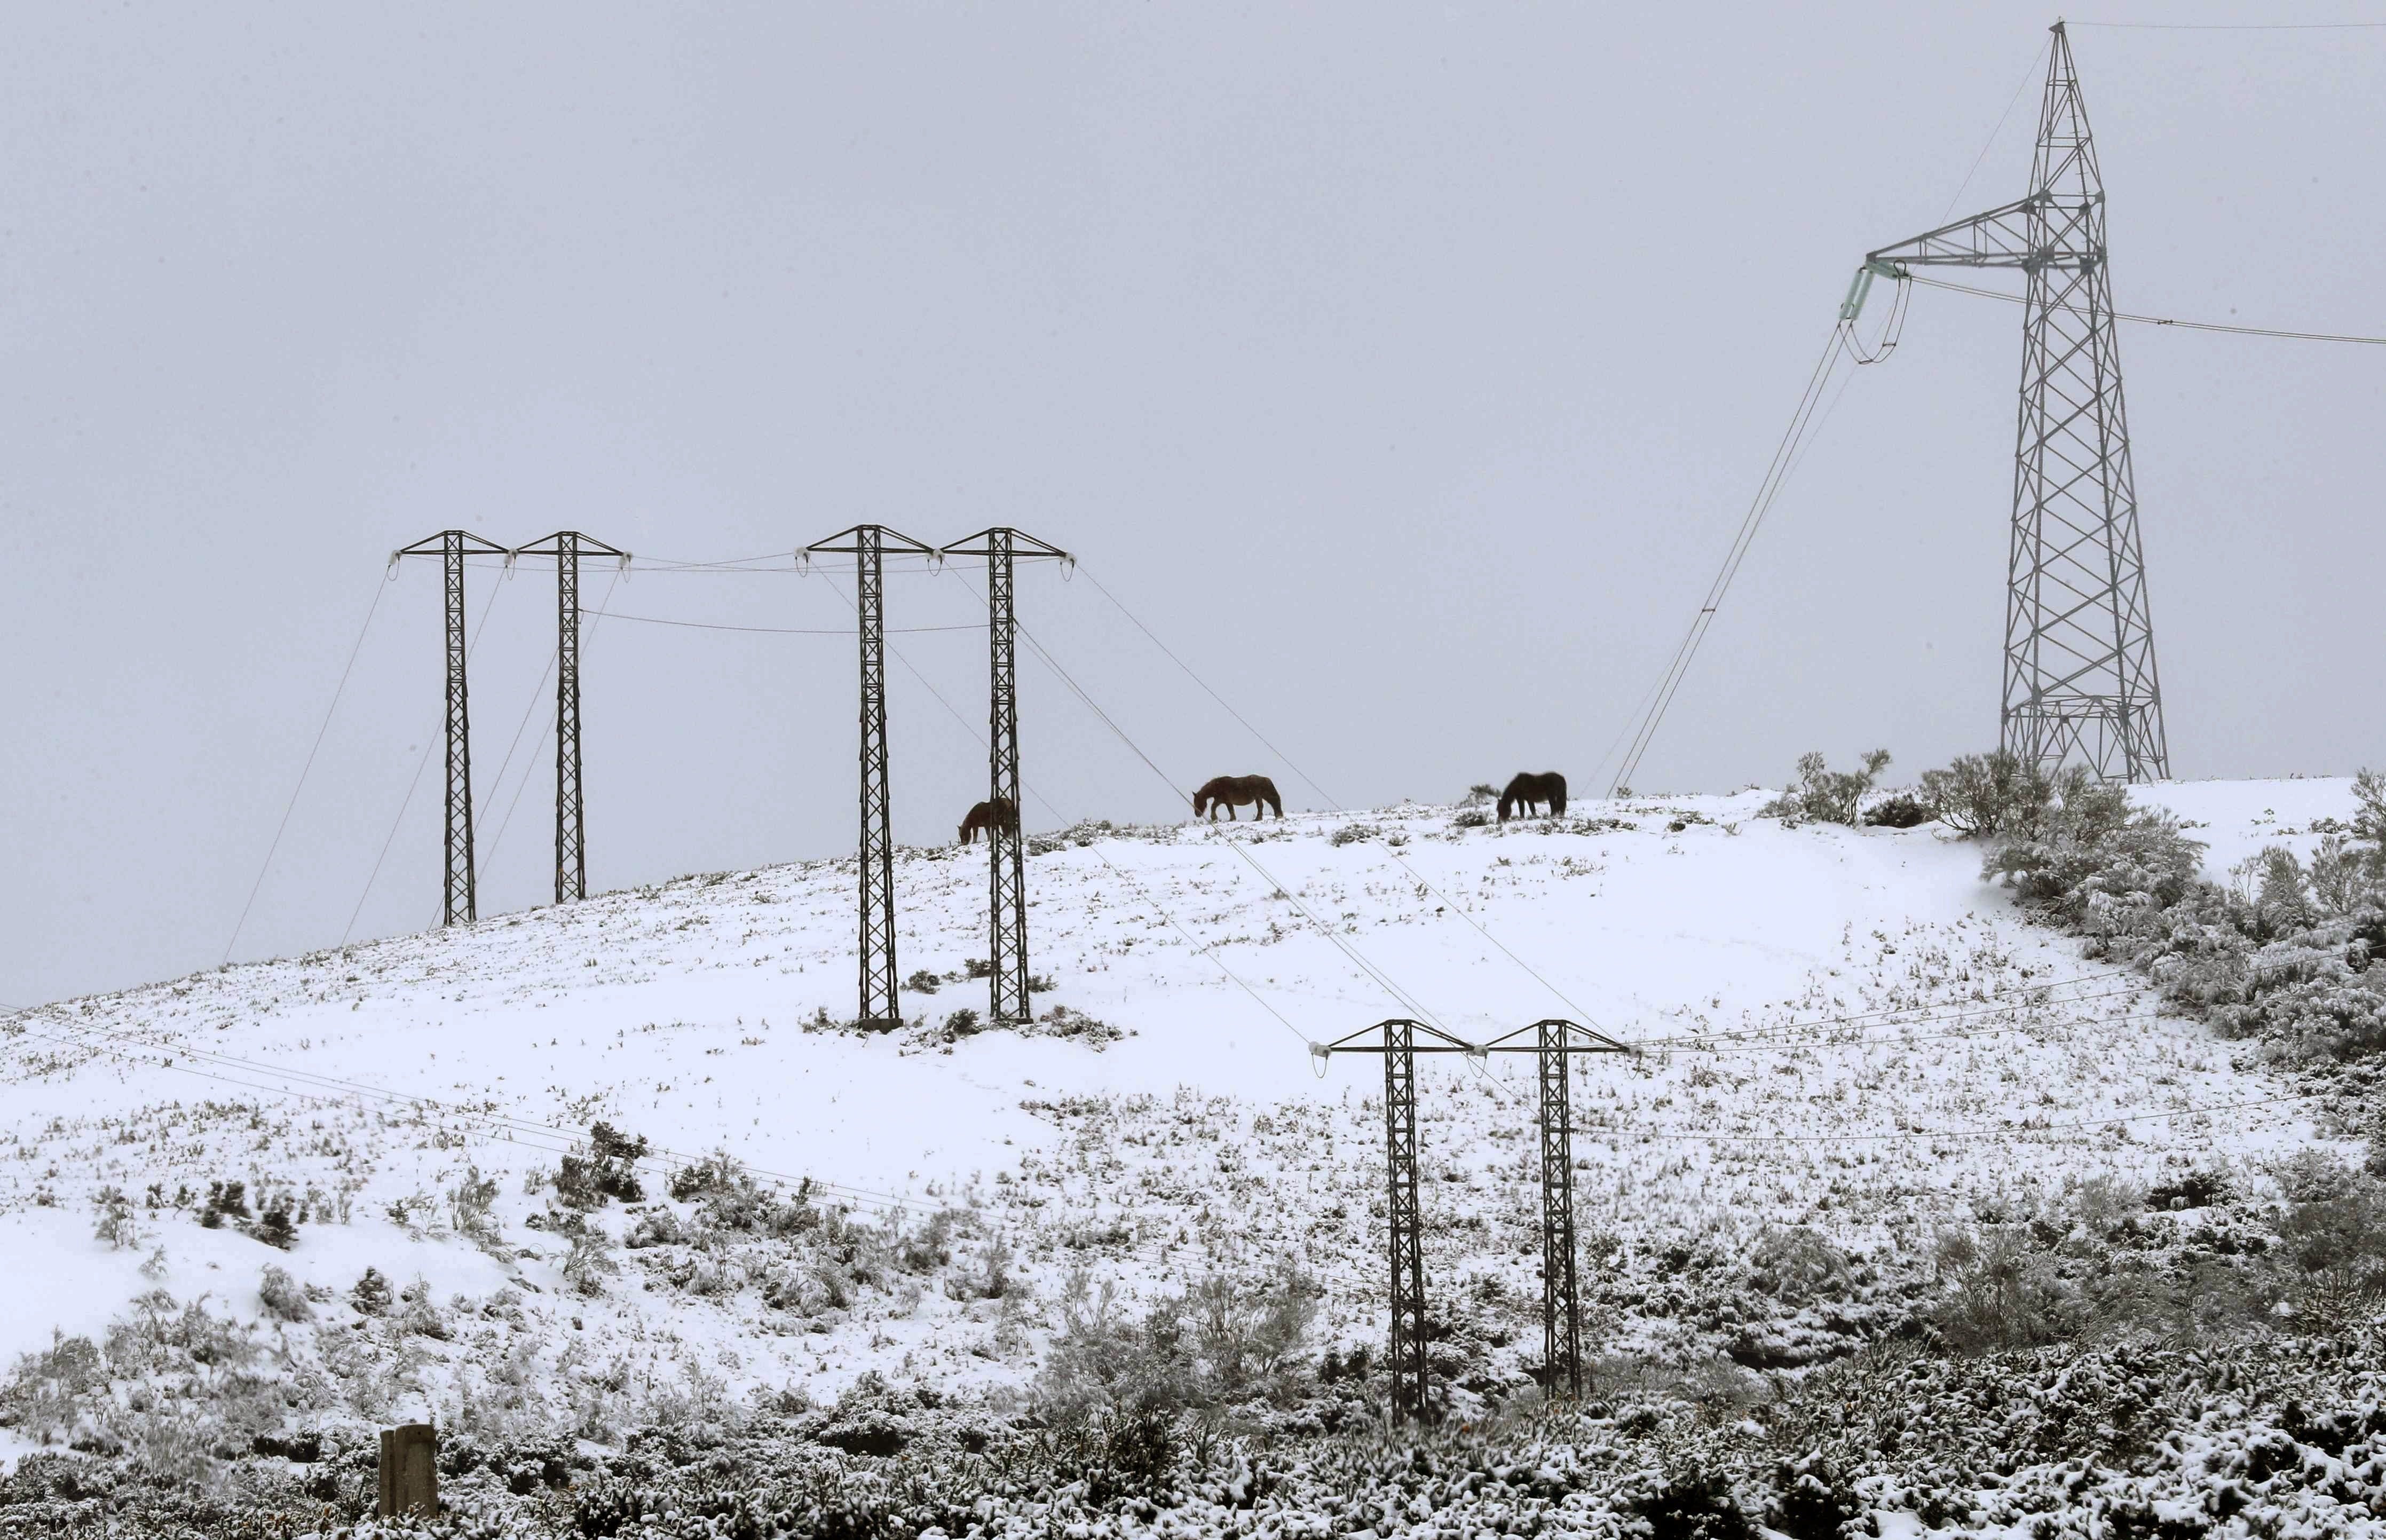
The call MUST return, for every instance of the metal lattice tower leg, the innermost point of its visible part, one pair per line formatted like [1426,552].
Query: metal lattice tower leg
[571,855]
[460,901]
[881,1006]
[2079,678]
[1401,1218]
[1561,1300]
[1007,950]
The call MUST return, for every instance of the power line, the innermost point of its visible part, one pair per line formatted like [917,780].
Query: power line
[2231,26]
[1777,473]
[2029,79]
[2165,320]
[768,631]
[1157,906]
[479,628]
[545,732]
[1366,968]
[316,747]
[1449,904]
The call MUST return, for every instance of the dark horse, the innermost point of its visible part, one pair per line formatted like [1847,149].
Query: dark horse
[1528,789]
[1231,792]
[981,819]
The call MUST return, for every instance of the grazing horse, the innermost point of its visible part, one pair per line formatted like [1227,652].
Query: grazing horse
[1528,789]
[1230,792]
[983,820]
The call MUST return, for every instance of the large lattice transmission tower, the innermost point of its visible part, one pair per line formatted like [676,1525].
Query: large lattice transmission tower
[1397,1041]
[567,546]
[1007,974]
[2080,680]
[880,1006]
[459,892]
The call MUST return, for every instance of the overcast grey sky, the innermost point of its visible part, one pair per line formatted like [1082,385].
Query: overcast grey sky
[1407,369]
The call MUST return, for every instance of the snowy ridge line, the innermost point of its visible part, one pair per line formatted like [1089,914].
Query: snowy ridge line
[2007,1131]
[1314,786]
[335,1089]
[1029,787]
[306,768]
[1367,969]
[1931,1015]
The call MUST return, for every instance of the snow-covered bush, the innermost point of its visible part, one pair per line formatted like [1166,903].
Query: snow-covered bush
[1824,794]
[117,1225]
[1900,811]
[1226,1341]
[608,1170]
[1986,793]
[282,1297]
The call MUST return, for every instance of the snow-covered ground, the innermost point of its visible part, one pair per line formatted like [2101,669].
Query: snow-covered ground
[1845,1029]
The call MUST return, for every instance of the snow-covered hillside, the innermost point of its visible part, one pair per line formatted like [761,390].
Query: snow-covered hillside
[1846,1031]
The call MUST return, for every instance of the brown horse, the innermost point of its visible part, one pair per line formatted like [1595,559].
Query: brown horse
[1231,792]
[1527,790]
[982,820]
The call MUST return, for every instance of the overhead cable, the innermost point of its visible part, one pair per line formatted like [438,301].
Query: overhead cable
[2165,320]
[316,747]
[1776,472]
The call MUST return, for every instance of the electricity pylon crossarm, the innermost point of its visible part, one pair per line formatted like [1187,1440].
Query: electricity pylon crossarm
[2079,676]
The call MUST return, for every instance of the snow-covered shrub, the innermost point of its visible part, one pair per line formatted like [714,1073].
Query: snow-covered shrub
[225,1200]
[275,1227]
[2005,1294]
[1900,811]
[1824,794]
[372,1294]
[2091,852]
[590,1262]
[1796,1266]
[1697,1504]
[470,1203]
[1986,793]
[608,1171]
[1226,1341]
[282,1297]
[1351,834]
[116,1225]
[1075,1025]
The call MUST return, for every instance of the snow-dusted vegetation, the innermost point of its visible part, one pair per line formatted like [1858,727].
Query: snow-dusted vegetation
[2004,1170]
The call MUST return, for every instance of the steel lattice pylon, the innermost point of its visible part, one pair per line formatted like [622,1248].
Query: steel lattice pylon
[567,546]
[2080,677]
[459,899]
[1554,1044]
[1397,1040]
[1007,911]
[881,1005]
